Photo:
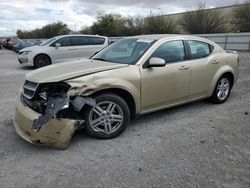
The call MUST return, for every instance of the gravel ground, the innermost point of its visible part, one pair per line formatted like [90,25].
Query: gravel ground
[194,145]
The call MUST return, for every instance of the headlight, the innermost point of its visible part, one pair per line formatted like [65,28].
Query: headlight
[47,90]
[25,52]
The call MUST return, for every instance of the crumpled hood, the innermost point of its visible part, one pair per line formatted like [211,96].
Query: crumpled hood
[63,71]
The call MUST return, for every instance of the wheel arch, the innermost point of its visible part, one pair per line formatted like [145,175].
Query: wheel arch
[41,54]
[221,72]
[124,94]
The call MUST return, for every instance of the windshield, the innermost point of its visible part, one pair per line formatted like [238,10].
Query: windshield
[126,51]
[48,41]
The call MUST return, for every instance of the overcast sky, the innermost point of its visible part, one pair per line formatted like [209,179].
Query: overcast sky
[31,14]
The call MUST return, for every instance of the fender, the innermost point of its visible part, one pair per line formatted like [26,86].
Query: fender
[222,70]
[99,83]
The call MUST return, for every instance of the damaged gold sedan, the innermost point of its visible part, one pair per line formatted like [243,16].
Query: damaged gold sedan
[133,76]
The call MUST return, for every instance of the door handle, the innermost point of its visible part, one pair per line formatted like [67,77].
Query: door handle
[183,67]
[215,62]
[73,49]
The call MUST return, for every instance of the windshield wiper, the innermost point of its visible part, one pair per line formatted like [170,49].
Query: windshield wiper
[100,59]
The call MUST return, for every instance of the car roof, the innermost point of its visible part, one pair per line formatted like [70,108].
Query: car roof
[156,36]
[76,35]
[161,36]
[172,36]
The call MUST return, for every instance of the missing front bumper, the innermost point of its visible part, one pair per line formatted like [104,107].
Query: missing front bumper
[47,129]
[55,133]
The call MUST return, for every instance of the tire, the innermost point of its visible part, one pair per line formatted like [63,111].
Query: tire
[109,118]
[42,61]
[222,90]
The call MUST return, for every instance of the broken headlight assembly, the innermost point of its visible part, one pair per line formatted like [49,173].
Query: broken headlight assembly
[36,96]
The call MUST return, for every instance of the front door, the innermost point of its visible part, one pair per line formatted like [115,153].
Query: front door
[162,86]
[62,52]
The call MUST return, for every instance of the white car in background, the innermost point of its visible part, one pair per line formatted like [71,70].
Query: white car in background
[62,48]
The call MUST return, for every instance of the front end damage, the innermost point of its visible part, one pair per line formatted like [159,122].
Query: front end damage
[47,115]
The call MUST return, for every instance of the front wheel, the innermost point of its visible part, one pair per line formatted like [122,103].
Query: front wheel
[222,90]
[109,118]
[41,61]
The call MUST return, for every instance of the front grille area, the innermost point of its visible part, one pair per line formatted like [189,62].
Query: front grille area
[29,89]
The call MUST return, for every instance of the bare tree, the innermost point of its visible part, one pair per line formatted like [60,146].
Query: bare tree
[159,25]
[202,20]
[241,18]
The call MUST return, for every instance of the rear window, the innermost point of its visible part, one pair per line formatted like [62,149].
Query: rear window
[96,40]
[79,41]
[199,49]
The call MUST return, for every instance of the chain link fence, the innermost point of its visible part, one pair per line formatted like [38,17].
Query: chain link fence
[228,41]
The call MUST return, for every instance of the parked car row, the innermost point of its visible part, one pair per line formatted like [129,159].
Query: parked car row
[16,44]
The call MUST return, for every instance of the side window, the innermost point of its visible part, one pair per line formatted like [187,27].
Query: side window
[172,51]
[96,40]
[199,49]
[63,41]
[79,41]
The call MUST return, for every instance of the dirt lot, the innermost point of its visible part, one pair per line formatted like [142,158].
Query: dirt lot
[195,145]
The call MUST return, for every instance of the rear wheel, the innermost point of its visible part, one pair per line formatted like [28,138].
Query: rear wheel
[109,118]
[41,61]
[222,90]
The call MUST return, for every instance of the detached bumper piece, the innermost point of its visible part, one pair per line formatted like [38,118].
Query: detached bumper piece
[52,128]
[54,105]
[53,133]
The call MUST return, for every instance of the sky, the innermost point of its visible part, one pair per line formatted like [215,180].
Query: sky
[77,14]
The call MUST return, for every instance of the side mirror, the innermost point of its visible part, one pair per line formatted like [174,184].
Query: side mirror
[57,45]
[156,62]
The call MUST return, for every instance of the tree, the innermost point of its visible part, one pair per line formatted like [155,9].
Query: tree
[241,18]
[86,30]
[201,21]
[159,25]
[108,25]
[113,25]
[132,26]
[46,31]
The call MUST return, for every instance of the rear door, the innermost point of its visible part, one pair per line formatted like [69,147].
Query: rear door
[97,43]
[86,46]
[79,47]
[202,62]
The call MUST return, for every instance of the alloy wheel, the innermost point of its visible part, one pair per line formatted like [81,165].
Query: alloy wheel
[223,89]
[106,117]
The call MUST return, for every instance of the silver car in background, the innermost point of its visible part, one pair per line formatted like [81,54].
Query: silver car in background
[62,48]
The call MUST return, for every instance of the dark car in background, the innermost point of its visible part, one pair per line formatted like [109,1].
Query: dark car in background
[37,42]
[4,44]
[10,42]
[20,45]
[16,44]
